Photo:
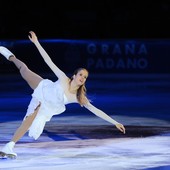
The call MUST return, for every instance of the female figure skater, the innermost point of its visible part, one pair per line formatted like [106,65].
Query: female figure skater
[49,98]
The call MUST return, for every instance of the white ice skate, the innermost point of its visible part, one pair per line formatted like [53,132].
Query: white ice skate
[7,151]
[5,52]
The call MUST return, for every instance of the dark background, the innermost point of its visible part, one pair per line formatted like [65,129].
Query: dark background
[123,22]
[85,19]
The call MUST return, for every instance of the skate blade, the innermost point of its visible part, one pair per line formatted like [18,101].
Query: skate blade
[11,156]
[3,155]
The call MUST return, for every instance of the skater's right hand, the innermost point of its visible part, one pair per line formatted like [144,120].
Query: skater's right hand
[120,127]
[32,37]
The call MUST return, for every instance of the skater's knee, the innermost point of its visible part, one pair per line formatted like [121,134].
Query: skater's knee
[33,115]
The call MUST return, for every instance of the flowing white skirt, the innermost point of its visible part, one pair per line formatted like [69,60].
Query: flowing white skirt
[50,96]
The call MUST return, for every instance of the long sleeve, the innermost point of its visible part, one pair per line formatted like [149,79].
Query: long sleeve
[49,62]
[100,113]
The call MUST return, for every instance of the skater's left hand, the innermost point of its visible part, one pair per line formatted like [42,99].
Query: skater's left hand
[32,36]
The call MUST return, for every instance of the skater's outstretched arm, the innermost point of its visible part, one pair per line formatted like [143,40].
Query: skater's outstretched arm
[59,73]
[104,116]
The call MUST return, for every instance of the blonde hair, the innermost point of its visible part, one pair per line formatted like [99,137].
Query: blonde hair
[81,92]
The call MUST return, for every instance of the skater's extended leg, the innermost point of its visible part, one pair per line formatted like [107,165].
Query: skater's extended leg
[31,78]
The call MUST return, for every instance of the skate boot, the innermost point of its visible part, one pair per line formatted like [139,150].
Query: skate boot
[7,151]
[5,52]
